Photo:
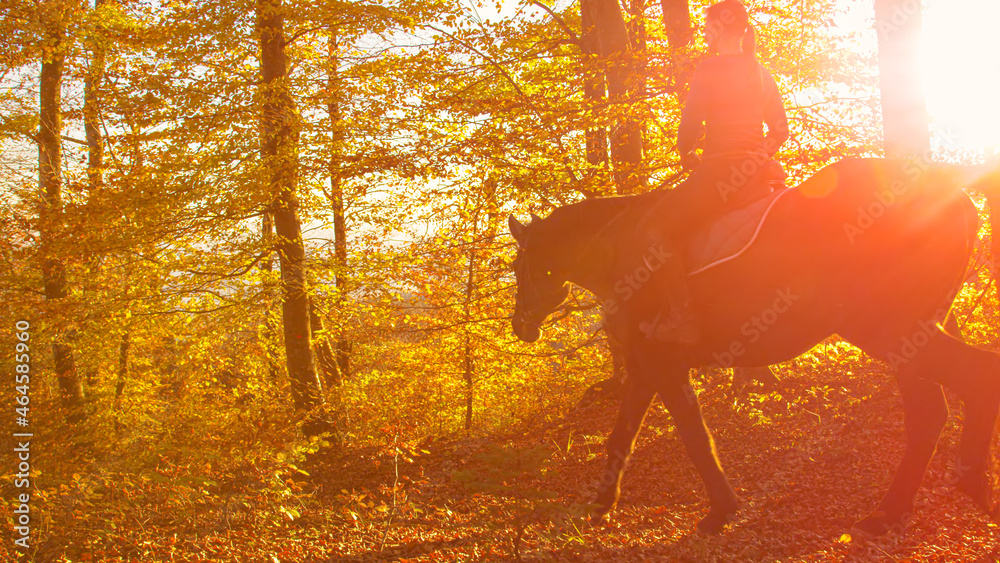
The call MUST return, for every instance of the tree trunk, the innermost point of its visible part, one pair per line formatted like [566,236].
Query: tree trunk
[91,112]
[326,358]
[50,184]
[616,49]
[267,265]
[594,93]
[336,196]
[468,373]
[279,151]
[123,350]
[680,33]
[905,124]
[93,81]
[123,357]
[469,352]
[636,122]
[677,21]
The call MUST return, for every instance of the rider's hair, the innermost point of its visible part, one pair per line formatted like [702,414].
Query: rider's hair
[732,18]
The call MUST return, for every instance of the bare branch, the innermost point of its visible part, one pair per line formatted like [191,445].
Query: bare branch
[574,38]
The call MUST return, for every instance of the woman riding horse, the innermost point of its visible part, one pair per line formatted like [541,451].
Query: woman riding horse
[732,95]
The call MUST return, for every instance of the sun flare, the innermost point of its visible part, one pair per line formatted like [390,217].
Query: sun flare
[961,68]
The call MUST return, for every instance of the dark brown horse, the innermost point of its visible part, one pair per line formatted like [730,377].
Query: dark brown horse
[872,250]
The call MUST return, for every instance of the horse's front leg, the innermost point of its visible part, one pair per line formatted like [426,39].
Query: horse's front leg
[682,402]
[635,402]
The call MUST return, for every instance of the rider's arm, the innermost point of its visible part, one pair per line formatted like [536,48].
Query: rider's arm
[693,116]
[774,114]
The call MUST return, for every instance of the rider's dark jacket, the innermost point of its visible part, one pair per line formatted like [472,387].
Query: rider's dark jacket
[731,97]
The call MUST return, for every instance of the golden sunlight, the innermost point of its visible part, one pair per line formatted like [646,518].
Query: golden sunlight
[961,67]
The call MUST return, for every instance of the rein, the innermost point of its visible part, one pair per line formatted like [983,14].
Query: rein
[524,275]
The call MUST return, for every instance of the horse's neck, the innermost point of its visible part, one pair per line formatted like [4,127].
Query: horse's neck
[589,237]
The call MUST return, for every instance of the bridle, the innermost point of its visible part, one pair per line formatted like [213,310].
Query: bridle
[525,283]
[521,313]
[528,290]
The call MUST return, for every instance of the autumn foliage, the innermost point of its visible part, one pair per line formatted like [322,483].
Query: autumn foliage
[402,135]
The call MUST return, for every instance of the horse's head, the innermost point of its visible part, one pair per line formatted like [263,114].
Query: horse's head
[541,280]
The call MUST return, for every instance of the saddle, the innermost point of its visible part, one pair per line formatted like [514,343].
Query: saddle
[736,228]
[768,178]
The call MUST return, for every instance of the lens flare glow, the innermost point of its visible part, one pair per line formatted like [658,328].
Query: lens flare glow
[961,68]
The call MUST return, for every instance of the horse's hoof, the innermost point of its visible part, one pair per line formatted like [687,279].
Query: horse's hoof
[599,521]
[716,521]
[994,514]
[879,523]
[600,514]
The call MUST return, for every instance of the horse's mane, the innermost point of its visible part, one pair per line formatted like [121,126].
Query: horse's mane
[592,216]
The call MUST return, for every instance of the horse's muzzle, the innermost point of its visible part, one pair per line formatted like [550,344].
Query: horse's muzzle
[524,329]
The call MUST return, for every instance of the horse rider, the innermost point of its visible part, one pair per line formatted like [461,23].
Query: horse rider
[732,95]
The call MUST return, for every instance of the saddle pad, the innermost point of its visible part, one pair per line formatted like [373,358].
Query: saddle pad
[729,236]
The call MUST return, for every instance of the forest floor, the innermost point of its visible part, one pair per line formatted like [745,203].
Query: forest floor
[807,461]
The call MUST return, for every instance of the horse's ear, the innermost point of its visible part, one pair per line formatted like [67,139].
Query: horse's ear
[535,218]
[517,229]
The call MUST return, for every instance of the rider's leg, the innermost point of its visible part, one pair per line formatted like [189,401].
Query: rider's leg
[666,224]
[680,324]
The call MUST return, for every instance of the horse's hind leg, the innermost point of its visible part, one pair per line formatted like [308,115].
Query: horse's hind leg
[682,402]
[635,403]
[974,374]
[926,413]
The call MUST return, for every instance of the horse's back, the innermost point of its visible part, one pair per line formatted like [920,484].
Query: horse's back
[862,243]
[884,231]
